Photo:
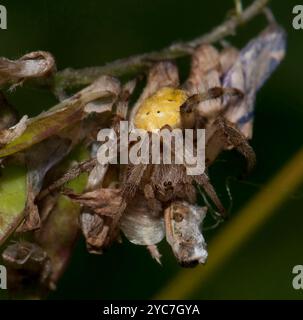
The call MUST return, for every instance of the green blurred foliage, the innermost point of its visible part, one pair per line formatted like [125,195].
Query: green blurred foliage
[13,192]
[86,33]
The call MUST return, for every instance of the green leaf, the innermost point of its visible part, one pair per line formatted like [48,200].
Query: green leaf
[12,199]
[41,128]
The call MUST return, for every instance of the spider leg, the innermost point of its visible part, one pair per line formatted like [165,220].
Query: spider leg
[152,202]
[205,73]
[204,181]
[132,179]
[204,83]
[154,252]
[226,135]
[216,92]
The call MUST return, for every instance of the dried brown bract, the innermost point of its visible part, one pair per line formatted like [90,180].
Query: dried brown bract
[39,64]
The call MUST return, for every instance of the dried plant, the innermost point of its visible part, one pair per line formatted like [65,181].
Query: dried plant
[59,186]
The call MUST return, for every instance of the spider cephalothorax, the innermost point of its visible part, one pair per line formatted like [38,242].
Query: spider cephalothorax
[149,201]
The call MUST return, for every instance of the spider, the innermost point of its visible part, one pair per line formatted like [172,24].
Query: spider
[150,201]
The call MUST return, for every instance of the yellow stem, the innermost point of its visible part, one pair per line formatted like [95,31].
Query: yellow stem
[242,226]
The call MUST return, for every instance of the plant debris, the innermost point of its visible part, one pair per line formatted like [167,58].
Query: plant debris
[53,187]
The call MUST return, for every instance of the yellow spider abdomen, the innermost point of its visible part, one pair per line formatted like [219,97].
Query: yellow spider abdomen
[160,109]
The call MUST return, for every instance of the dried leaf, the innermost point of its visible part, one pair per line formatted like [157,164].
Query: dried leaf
[59,229]
[95,230]
[7,135]
[106,203]
[26,263]
[96,176]
[112,87]
[63,115]
[228,57]
[32,65]
[103,201]
[40,159]
[257,61]
[204,75]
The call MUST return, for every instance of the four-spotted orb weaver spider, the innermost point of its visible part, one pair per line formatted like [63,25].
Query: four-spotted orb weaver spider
[149,202]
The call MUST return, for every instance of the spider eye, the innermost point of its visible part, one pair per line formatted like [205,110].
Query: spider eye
[158,111]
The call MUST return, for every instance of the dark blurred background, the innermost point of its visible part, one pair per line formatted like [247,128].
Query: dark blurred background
[87,33]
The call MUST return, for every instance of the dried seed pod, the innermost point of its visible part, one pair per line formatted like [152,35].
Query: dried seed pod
[182,223]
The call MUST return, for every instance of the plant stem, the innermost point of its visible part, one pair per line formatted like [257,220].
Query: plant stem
[70,78]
